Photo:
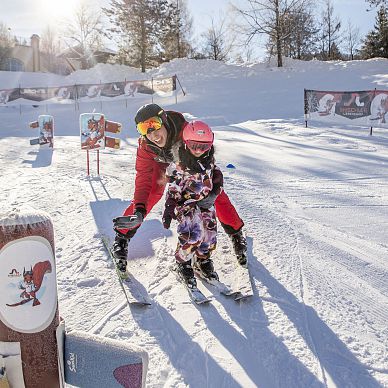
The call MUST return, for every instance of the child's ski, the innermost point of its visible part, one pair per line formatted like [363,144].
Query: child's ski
[220,286]
[195,293]
[133,293]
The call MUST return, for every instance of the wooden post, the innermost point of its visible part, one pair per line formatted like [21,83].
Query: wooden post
[28,295]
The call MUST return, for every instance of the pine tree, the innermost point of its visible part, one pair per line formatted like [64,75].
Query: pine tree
[175,39]
[142,26]
[335,52]
[376,41]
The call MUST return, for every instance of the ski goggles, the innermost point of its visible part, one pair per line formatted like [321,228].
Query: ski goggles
[198,146]
[149,126]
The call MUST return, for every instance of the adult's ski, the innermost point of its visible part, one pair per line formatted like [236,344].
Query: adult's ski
[242,282]
[133,292]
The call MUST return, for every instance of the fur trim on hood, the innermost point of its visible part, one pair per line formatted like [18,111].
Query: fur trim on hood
[175,151]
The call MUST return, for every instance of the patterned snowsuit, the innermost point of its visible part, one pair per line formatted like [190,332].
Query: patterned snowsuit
[197,229]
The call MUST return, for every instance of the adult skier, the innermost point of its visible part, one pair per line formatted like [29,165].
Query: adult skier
[159,131]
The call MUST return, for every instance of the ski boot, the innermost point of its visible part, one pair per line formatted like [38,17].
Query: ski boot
[240,247]
[186,272]
[119,251]
[206,268]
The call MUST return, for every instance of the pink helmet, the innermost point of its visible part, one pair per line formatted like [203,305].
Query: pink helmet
[198,131]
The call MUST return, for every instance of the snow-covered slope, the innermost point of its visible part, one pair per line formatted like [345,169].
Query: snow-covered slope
[314,201]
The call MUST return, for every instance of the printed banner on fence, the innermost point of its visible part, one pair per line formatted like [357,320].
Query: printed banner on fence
[87,92]
[365,108]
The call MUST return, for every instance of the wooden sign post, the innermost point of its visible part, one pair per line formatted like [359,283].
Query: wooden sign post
[28,295]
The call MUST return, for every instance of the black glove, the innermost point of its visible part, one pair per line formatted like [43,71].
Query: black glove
[129,222]
[208,201]
[168,216]
[166,222]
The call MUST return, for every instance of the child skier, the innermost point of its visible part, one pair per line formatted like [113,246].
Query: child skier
[193,176]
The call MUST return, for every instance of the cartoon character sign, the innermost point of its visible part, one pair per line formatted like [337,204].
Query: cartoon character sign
[31,283]
[28,294]
[46,130]
[92,126]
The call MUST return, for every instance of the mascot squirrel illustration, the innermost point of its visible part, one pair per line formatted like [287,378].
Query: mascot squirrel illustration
[32,281]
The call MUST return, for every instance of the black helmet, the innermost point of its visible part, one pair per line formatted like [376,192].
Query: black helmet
[147,111]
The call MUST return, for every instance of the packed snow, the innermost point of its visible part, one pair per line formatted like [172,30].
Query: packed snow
[315,205]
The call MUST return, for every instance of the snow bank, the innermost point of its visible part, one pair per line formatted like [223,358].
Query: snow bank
[16,215]
[105,72]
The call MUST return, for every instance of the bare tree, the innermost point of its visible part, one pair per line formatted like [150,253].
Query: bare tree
[217,43]
[299,34]
[268,17]
[50,46]
[376,3]
[6,44]
[352,39]
[83,34]
[330,30]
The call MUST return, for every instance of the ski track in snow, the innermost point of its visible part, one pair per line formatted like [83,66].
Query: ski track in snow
[225,338]
[315,205]
[283,326]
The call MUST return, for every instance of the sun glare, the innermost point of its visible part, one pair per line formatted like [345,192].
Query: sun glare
[56,9]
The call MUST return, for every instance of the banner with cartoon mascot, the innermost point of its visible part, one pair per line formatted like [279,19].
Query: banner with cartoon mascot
[87,92]
[364,108]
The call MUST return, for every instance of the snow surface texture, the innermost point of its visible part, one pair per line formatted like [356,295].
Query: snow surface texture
[315,205]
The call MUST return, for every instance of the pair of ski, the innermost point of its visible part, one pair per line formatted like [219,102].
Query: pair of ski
[136,295]
[241,292]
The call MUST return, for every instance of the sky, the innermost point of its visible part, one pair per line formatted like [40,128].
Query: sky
[25,17]
[314,202]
